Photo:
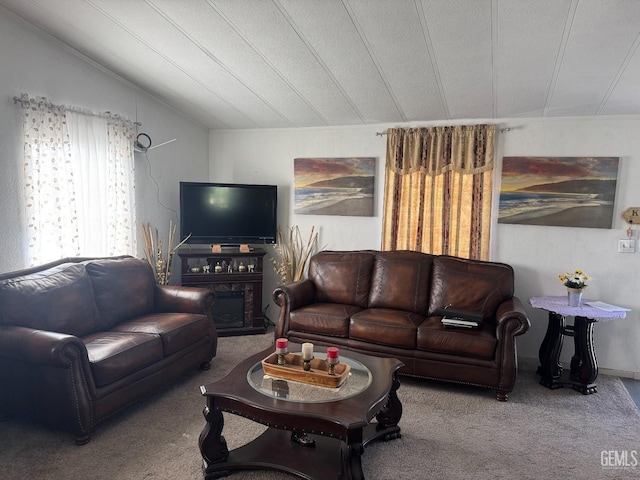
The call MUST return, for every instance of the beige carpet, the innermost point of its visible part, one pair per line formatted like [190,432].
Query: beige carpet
[449,432]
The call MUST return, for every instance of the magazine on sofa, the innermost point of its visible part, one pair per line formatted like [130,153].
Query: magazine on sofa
[454,317]
[459,322]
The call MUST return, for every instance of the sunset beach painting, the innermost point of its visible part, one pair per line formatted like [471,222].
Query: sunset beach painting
[334,186]
[558,191]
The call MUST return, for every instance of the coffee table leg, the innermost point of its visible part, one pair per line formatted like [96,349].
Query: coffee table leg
[213,445]
[388,418]
[352,461]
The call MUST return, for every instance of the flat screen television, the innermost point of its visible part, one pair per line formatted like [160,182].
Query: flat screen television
[228,213]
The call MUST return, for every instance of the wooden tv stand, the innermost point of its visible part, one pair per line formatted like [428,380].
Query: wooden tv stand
[240,275]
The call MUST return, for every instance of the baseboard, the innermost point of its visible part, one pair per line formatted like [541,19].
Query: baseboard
[619,373]
[601,371]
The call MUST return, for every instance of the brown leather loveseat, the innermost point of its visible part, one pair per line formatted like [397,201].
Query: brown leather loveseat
[385,303]
[82,338]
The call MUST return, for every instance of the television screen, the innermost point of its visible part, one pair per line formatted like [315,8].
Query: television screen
[228,214]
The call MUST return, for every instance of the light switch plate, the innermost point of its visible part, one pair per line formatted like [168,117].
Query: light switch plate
[627,245]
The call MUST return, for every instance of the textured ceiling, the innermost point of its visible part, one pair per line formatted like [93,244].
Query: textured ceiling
[304,63]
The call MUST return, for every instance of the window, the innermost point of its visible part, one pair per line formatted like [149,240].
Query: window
[438,190]
[79,182]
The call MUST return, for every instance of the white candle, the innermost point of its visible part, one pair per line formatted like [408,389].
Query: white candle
[307,351]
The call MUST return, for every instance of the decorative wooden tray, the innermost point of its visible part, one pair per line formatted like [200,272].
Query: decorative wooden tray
[318,375]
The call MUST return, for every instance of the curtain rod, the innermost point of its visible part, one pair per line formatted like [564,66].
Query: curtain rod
[506,129]
[72,108]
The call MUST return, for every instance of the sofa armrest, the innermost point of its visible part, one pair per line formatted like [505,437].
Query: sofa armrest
[295,295]
[173,298]
[38,346]
[511,319]
[291,297]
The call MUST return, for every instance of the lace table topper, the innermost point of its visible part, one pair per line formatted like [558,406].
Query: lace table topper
[560,305]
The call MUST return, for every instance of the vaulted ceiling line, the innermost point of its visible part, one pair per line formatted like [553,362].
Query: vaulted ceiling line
[623,67]
[428,43]
[172,62]
[374,59]
[566,33]
[319,59]
[267,62]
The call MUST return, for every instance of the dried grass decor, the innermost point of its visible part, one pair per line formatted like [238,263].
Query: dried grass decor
[293,253]
[153,250]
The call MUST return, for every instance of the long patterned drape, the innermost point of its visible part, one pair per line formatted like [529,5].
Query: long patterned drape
[438,190]
[79,182]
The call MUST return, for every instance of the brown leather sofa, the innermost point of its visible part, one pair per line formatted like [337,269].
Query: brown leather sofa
[81,339]
[385,303]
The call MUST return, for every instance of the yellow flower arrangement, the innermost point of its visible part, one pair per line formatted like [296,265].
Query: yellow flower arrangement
[577,279]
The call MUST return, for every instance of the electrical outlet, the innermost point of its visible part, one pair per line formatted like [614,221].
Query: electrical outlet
[627,245]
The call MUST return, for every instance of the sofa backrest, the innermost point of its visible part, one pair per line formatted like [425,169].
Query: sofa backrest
[123,287]
[58,299]
[471,285]
[342,277]
[401,281]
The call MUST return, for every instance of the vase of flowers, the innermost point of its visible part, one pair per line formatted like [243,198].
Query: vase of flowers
[575,282]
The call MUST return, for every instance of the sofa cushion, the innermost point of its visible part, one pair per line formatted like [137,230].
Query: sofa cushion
[177,330]
[123,288]
[385,327]
[477,343]
[471,285]
[114,355]
[401,280]
[342,277]
[323,318]
[59,299]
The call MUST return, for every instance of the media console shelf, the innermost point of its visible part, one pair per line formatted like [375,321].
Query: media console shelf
[236,277]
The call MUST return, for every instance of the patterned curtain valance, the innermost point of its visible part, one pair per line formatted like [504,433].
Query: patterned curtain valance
[433,151]
[39,103]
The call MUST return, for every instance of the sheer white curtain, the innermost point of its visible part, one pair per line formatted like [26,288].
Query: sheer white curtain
[80,192]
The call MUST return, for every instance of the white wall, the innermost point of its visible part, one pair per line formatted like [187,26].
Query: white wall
[266,157]
[34,63]
[537,253]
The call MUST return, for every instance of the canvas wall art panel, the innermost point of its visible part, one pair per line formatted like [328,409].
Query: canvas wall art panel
[334,186]
[558,191]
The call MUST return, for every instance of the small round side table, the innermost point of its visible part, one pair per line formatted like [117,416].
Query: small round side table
[584,366]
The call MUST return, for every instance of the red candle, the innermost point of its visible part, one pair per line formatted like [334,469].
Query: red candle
[281,346]
[332,355]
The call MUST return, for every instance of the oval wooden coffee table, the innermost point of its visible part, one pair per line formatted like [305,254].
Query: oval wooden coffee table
[340,421]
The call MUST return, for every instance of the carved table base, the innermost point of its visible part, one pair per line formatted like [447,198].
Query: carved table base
[274,449]
[584,366]
[340,429]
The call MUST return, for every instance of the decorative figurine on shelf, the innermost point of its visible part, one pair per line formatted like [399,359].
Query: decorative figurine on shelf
[242,267]
[196,268]
[205,268]
[217,268]
[229,269]
[251,267]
